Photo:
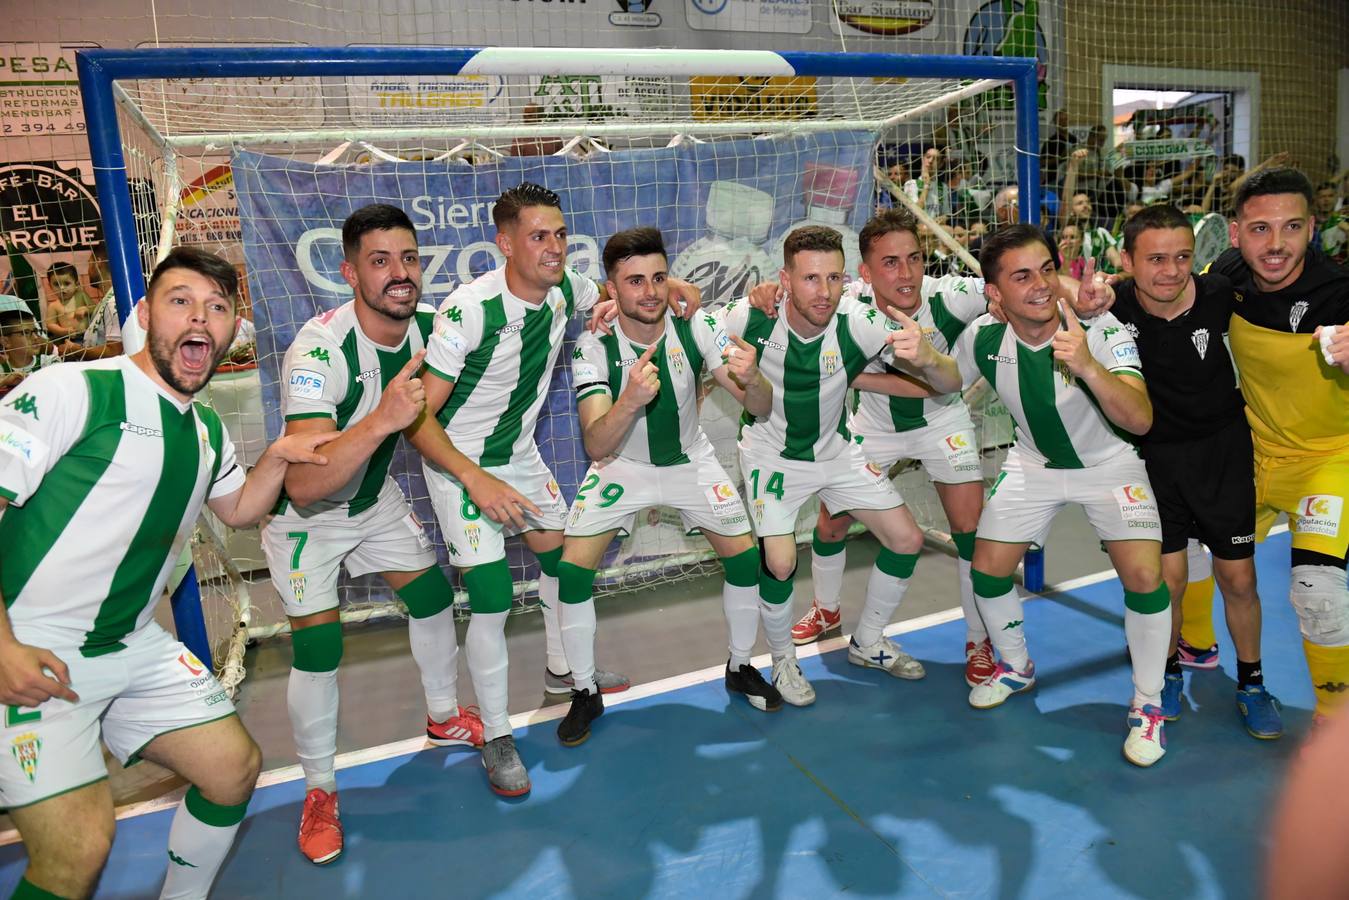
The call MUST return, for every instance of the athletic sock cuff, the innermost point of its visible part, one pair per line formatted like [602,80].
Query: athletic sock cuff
[427,595]
[213,814]
[548,560]
[825,548]
[773,591]
[1148,602]
[964,541]
[574,584]
[989,586]
[490,588]
[26,890]
[742,570]
[896,565]
[317,648]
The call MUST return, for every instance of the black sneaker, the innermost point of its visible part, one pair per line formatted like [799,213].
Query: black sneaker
[586,707]
[749,681]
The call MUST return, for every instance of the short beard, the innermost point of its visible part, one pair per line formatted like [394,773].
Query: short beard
[162,352]
[392,311]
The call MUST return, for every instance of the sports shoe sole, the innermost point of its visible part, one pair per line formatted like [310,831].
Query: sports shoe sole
[755,700]
[565,691]
[1141,764]
[868,664]
[449,742]
[575,742]
[505,793]
[801,642]
[1020,690]
[324,860]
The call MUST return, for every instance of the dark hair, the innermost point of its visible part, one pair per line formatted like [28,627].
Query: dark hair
[12,317]
[526,194]
[1327,186]
[1004,240]
[1278,180]
[63,268]
[644,241]
[206,264]
[817,238]
[374,217]
[884,222]
[1235,159]
[1158,215]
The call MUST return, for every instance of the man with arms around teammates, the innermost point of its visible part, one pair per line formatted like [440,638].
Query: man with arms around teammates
[802,448]
[637,399]
[1068,390]
[104,467]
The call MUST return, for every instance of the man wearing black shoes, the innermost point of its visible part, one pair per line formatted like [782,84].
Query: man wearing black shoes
[636,391]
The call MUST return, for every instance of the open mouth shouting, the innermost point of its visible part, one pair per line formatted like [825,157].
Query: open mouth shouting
[196,356]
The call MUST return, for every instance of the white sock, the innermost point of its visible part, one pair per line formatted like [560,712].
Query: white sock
[975,632]
[1198,562]
[827,574]
[777,627]
[435,647]
[552,625]
[742,621]
[1149,639]
[1004,618]
[578,638]
[196,851]
[311,698]
[884,592]
[487,664]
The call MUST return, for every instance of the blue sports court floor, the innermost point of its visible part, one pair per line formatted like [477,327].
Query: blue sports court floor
[883,789]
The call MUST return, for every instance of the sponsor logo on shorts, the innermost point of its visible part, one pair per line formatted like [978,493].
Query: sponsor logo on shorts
[1319,514]
[143,431]
[1244,539]
[297,586]
[215,699]
[474,535]
[758,510]
[306,384]
[18,442]
[957,441]
[552,488]
[725,503]
[26,748]
[874,470]
[1136,506]
[189,661]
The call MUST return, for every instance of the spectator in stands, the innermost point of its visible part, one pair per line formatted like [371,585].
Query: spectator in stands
[1071,260]
[103,332]
[969,198]
[1130,210]
[1095,168]
[1096,242]
[898,173]
[1332,226]
[1055,149]
[68,307]
[927,189]
[24,347]
[1153,187]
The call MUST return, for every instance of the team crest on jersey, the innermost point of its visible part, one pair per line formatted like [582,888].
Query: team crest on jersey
[1319,514]
[298,582]
[1200,339]
[830,360]
[676,358]
[26,749]
[1296,313]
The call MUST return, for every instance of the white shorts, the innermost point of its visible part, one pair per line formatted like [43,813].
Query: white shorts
[304,554]
[129,697]
[1115,495]
[614,492]
[475,539]
[777,488]
[949,451]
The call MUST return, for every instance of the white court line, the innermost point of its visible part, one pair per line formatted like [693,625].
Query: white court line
[541,714]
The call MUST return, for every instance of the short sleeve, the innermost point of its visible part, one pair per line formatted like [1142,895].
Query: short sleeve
[709,334]
[455,334]
[229,475]
[964,356]
[870,330]
[585,293]
[590,367]
[314,380]
[1113,346]
[734,317]
[963,296]
[40,420]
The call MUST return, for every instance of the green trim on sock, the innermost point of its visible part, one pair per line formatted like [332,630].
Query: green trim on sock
[548,560]
[989,585]
[1153,601]
[317,648]
[26,890]
[825,548]
[773,591]
[742,570]
[213,814]
[964,541]
[490,587]
[896,565]
[574,584]
[427,595]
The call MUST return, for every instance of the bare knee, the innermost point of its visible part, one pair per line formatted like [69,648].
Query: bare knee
[780,567]
[907,541]
[234,774]
[832,531]
[1237,584]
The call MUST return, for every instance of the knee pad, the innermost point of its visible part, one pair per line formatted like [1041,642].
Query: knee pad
[317,648]
[1319,597]
[574,584]
[771,588]
[742,570]
[548,560]
[964,541]
[1198,561]
[490,587]
[427,594]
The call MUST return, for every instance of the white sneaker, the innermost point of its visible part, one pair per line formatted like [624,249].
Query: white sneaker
[885,654]
[1003,683]
[1146,742]
[791,682]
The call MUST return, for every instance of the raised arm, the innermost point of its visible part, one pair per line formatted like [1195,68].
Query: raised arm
[1123,397]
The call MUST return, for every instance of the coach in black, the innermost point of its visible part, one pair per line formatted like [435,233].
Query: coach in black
[1198,453]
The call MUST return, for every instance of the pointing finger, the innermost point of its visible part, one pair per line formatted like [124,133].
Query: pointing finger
[413,365]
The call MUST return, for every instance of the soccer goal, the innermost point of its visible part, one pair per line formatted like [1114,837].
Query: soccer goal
[725,151]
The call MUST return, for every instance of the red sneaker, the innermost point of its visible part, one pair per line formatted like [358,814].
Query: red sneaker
[320,830]
[979,662]
[461,730]
[816,624]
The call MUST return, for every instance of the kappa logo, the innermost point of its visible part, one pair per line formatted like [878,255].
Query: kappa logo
[141,430]
[1333,687]
[1295,314]
[577,354]
[454,314]
[999,358]
[320,354]
[512,328]
[368,374]
[1199,337]
[1015,623]
[773,345]
[25,405]
[179,861]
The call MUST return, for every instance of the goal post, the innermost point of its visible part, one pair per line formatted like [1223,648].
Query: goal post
[153,113]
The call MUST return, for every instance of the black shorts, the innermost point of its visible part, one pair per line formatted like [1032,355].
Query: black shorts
[1205,489]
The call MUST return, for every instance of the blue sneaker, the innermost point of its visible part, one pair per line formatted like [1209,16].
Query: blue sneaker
[1172,685]
[1260,712]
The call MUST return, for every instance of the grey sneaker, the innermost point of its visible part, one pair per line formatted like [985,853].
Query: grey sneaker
[607,682]
[505,772]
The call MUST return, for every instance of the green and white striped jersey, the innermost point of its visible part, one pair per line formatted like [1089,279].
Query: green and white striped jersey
[1058,422]
[333,371]
[105,473]
[665,432]
[949,304]
[499,351]
[810,377]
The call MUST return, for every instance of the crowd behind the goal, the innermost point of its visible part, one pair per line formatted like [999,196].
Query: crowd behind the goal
[1122,389]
